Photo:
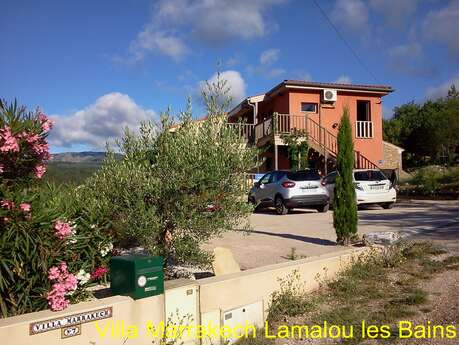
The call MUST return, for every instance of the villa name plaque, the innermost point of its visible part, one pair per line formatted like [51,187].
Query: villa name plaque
[68,322]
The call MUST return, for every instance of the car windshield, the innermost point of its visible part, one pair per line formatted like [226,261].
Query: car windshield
[304,175]
[369,175]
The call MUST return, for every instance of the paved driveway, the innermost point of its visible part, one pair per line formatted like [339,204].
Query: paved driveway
[312,233]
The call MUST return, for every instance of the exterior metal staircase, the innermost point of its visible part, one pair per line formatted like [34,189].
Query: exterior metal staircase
[319,138]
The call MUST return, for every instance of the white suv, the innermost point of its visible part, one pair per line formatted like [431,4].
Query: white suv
[371,187]
[286,190]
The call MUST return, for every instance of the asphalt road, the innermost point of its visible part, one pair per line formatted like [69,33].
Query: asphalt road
[312,233]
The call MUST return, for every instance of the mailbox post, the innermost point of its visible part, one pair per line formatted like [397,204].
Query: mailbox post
[137,276]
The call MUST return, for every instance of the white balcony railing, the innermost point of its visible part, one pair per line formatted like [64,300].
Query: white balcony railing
[364,129]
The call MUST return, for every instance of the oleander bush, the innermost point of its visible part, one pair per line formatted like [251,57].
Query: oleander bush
[50,249]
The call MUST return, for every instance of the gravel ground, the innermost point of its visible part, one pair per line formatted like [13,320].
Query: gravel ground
[442,309]
[312,233]
[444,299]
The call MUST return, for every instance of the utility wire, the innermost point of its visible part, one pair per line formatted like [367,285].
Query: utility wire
[359,60]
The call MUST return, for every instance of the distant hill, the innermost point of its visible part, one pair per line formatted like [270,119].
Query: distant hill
[74,167]
[79,157]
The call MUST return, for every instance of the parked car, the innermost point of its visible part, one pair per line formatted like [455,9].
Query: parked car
[286,190]
[371,187]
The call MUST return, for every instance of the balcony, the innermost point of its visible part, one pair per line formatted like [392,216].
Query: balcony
[318,137]
[364,129]
[246,131]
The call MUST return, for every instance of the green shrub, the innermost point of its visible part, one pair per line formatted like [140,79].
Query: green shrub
[428,178]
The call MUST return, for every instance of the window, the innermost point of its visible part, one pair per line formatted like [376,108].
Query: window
[369,175]
[265,179]
[364,126]
[363,111]
[277,176]
[309,107]
[304,175]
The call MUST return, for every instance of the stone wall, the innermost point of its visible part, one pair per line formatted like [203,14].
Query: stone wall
[392,156]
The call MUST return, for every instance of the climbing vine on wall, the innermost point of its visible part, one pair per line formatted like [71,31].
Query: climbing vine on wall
[298,148]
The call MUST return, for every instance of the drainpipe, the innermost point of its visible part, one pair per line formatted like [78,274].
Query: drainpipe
[255,121]
[255,111]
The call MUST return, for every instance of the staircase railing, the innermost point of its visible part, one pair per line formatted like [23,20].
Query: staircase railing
[286,123]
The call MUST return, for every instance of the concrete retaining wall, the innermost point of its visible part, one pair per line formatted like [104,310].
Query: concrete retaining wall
[220,301]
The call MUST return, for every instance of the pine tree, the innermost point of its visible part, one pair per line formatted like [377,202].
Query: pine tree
[344,202]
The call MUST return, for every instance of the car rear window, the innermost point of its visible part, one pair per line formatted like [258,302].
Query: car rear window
[308,175]
[369,175]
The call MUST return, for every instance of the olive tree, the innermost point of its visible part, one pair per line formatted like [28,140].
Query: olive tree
[178,183]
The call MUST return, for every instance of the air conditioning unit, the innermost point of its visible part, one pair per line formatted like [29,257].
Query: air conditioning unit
[329,95]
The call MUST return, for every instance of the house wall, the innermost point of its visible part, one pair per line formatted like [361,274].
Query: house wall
[279,103]
[371,148]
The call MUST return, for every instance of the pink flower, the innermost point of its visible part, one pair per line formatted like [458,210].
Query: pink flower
[46,123]
[39,170]
[53,273]
[25,207]
[71,282]
[40,148]
[29,137]
[62,229]
[7,204]
[57,302]
[99,272]
[10,144]
[64,282]
[2,168]
[63,266]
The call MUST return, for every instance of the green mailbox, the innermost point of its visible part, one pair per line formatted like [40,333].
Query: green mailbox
[137,276]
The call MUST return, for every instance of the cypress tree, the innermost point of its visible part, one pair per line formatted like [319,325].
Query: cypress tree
[344,202]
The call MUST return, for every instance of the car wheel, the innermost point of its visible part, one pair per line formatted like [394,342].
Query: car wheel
[387,205]
[280,207]
[323,208]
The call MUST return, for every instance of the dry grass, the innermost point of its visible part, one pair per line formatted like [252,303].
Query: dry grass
[380,288]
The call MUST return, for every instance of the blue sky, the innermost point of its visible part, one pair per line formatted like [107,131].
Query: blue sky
[97,66]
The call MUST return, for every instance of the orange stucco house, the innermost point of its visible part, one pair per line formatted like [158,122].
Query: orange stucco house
[316,109]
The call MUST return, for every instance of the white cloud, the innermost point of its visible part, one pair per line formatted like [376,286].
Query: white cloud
[102,121]
[234,81]
[352,14]
[395,12]
[269,56]
[265,68]
[344,79]
[442,90]
[210,21]
[442,26]
[150,40]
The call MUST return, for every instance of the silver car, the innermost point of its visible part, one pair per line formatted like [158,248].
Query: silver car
[286,190]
